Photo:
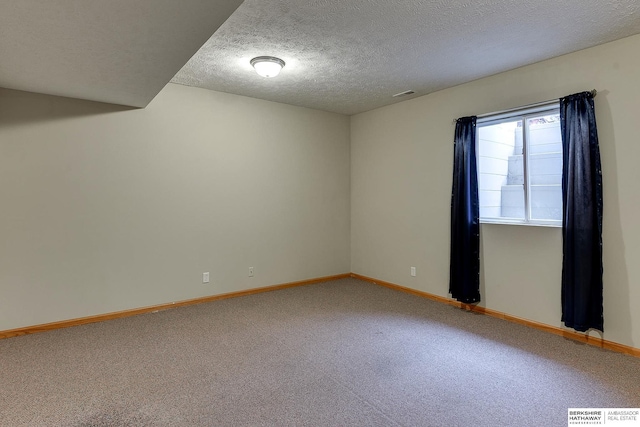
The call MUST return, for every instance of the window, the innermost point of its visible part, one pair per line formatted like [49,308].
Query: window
[520,167]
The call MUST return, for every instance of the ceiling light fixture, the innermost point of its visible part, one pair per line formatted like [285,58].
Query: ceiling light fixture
[267,66]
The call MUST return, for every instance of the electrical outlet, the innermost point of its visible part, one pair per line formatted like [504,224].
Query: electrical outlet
[205,277]
[250,271]
[413,272]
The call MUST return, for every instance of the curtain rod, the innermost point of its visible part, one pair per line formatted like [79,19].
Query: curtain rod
[537,104]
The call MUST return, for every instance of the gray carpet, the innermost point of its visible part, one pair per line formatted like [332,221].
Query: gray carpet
[341,353]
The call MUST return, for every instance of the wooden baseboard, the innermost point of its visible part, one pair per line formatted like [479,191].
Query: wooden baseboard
[569,334]
[142,310]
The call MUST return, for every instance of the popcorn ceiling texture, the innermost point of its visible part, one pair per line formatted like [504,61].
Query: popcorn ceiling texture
[352,56]
[342,56]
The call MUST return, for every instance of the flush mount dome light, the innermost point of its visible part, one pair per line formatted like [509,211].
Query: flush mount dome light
[267,66]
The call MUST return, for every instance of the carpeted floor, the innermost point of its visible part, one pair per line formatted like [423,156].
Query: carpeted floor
[341,353]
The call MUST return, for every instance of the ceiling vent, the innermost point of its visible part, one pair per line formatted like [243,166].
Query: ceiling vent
[405,93]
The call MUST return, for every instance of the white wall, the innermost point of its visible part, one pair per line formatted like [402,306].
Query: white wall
[106,209]
[401,158]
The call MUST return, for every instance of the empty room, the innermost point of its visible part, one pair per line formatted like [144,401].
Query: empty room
[319,213]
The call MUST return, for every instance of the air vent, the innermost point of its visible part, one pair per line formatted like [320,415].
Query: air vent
[405,93]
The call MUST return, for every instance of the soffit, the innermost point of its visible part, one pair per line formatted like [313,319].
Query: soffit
[116,51]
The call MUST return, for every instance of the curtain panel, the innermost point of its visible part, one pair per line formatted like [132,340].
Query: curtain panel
[581,215]
[464,281]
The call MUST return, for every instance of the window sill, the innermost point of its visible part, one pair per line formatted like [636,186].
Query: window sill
[526,224]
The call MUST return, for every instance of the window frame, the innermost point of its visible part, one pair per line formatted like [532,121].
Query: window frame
[523,114]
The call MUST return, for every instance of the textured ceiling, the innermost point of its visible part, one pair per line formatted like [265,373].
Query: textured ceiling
[116,51]
[345,56]
[352,56]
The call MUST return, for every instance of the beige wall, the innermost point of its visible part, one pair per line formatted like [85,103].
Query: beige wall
[106,209]
[401,167]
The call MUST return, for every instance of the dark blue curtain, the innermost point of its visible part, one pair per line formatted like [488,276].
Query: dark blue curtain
[581,215]
[464,279]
